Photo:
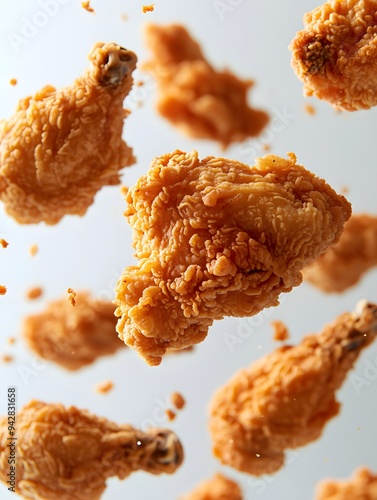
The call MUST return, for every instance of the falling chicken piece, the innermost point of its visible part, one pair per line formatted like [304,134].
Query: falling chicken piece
[73,336]
[33,250]
[62,146]
[215,238]
[218,487]
[202,102]
[343,264]
[148,8]
[281,331]
[72,296]
[3,290]
[170,414]
[178,400]
[87,7]
[285,399]
[335,55]
[13,82]
[3,243]
[363,486]
[104,387]
[68,453]
[34,293]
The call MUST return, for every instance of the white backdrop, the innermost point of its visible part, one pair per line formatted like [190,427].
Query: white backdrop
[47,42]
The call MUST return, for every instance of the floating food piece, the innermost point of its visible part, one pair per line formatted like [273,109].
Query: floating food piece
[3,290]
[202,102]
[170,414]
[215,238]
[62,146]
[86,6]
[218,487]
[72,296]
[33,250]
[105,387]
[73,336]
[285,399]
[178,400]
[68,453]
[363,486]
[6,358]
[335,55]
[310,109]
[34,293]
[3,243]
[343,264]
[11,340]
[281,331]
[148,8]
[13,81]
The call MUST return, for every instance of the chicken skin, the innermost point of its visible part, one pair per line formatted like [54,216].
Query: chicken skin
[285,399]
[335,55]
[218,487]
[62,146]
[343,264]
[73,337]
[363,486]
[68,454]
[202,102]
[215,238]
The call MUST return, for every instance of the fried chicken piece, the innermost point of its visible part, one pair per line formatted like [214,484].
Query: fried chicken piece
[285,399]
[343,264]
[363,486]
[73,336]
[215,238]
[71,296]
[68,453]
[335,55]
[218,487]
[62,146]
[202,102]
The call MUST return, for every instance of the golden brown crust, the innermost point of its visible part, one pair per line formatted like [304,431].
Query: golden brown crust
[68,453]
[285,399]
[335,55]
[202,102]
[218,487]
[344,263]
[362,486]
[62,146]
[215,238]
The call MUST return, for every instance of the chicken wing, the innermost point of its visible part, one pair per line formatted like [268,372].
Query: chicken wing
[285,399]
[218,487]
[343,264]
[363,486]
[62,146]
[202,102]
[335,55]
[73,337]
[68,454]
[218,238]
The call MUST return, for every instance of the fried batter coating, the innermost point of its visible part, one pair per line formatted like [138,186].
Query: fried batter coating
[68,453]
[343,264]
[202,102]
[62,146]
[215,238]
[73,337]
[218,487]
[285,399]
[363,486]
[335,55]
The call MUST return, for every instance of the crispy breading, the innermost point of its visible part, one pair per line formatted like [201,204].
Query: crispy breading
[285,399]
[362,486]
[215,238]
[343,264]
[335,55]
[201,101]
[218,487]
[62,146]
[73,337]
[68,453]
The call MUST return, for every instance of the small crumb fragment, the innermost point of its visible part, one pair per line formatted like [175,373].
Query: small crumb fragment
[344,189]
[11,340]
[71,296]
[266,147]
[86,6]
[3,290]
[281,331]
[124,190]
[310,109]
[33,249]
[34,293]
[124,17]
[3,243]
[6,358]
[148,8]
[140,83]
[104,387]
[170,414]
[178,400]
[13,81]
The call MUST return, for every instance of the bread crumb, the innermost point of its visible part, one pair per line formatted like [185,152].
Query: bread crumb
[140,83]
[104,387]
[148,8]
[124,17]
[6,358]
[71,296]
[34,293]
[170,414]
[33,249]
[310,109]
[11,340]
[344,189]
[13,81]
[87,7]
[3,243]
[178,400]
[266,147]
[281,331]
[3,290]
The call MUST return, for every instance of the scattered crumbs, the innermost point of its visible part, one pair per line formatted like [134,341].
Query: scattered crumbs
[148,8]
[140,83]
[34,293]
[281,332]
[13,81]
[3,243]
[344,190]
[33,249]
[6,358]
[71,296]
[257,455]
[266,147]
[86,6]
[11,340]
[3,290]
[309,109]
[170,414]
[104,387]
[178,400]
[124,17]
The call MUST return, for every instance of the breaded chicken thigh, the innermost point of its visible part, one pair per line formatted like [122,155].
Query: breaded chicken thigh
[68,454]
[363,486]
[201,101]
[335,55]
[285,399]
[62,146]
[218,487]
[215,238]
